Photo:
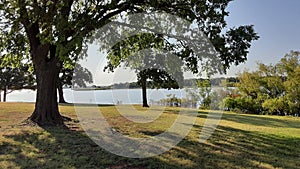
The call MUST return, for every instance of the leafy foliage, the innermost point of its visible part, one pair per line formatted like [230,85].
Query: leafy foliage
[15,78]
[51,32]
[272,89]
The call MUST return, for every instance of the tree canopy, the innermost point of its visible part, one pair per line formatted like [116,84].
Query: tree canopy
[49,32]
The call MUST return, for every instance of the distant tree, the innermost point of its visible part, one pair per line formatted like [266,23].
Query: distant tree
[272,89]
[276,106]
[259,86]
[68,77]
[158,79]
[171,100]
[15,78]
[156,70]
[192,96]
[271,80]
[229,103]
[122,52]
[290,67]
[249,84]
[205,92]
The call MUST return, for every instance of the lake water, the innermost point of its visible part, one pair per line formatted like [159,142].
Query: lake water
[124,96]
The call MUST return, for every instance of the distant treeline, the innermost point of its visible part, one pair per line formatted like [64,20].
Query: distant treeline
[213,81]
[187,83]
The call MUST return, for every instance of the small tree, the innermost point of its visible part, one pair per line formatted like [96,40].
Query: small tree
[15,78]
[205,92]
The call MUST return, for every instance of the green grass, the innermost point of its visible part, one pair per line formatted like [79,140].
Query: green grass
[240,141]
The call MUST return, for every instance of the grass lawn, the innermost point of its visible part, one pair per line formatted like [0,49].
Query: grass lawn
[240,141]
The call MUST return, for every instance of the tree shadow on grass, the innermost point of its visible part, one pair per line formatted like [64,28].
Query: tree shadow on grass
[85,104]
[260,120]
[256,120]
[55,147]
[234,148]
[61,147]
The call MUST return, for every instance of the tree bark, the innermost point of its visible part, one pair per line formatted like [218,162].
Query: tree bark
[144,91]
[46,68]
[61,98]
[4,93]
[46,106]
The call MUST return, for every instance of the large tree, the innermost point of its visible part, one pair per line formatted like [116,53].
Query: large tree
[55,30]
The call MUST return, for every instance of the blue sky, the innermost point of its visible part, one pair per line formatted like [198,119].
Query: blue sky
[276,21]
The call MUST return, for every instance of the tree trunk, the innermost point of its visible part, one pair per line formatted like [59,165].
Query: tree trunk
[0,95]
[46,106]
[144,92]
[4,93]
[61,98]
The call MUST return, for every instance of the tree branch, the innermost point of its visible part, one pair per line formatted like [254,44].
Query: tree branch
[31,29]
